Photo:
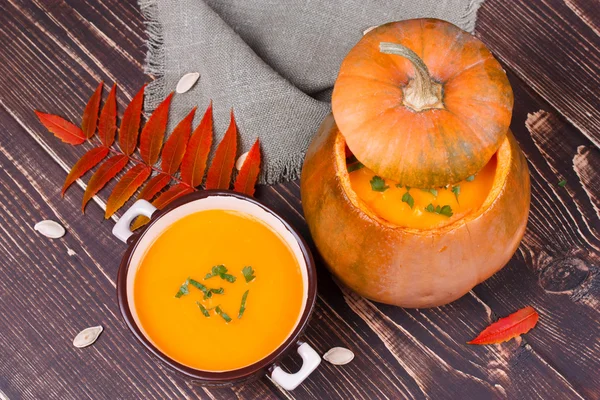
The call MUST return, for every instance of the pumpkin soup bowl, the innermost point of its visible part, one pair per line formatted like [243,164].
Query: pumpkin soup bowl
[139,244]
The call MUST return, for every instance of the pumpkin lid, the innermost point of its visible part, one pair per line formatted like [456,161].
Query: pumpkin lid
[422,102]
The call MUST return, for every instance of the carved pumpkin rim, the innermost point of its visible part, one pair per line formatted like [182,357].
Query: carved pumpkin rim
[504,157]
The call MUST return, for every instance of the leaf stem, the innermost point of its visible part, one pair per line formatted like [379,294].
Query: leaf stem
[138,161]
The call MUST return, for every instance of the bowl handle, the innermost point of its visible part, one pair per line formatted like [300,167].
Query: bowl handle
[141,207]
[310,361]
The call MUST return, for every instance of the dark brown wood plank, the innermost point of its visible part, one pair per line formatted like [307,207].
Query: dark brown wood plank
[557,269]
[56,52]
[554,46]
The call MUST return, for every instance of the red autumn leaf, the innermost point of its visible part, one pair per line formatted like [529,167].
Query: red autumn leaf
[509,327]
[154,186]
[175,146]
[153,134]
[196,155]
[246,179]
[83,165]
[161,201]
[219,173]
[89,121]
[107,125]
[61,128]
[126,187]
[105,173]
[130,124]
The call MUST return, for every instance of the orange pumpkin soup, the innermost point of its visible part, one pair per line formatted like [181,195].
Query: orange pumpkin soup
[207,329]
[421,208]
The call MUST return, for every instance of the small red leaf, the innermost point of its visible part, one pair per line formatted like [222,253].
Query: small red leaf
[130,124]
[196,155]
[107,125]
[246,179]
[175,146]
[161,201]
[89,121]
[126,187]
[61,128]
[103,175]
[84,164]
[153,134]
[154,186]
[219,173]
[509,327]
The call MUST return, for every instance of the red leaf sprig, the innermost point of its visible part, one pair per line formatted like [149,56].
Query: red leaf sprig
[509,327]
[181,152]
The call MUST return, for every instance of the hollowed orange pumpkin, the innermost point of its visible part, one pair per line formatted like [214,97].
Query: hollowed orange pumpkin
[424,123]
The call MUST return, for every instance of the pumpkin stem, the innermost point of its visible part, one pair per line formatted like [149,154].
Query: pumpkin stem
[422,92]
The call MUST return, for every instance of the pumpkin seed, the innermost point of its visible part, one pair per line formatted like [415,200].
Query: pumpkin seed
[3,396]
[87,336]
[338,356]
[240,161]
[369,29]
[49,228]
[186,82]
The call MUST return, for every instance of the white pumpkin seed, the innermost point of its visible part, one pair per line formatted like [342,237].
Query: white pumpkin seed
[87,336]
[338,356]
[369,29]
[3,396]
[186,82]
[240,161]
[49,228]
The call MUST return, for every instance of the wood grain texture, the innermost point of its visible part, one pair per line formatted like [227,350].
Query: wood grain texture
[57,51]
[554,46]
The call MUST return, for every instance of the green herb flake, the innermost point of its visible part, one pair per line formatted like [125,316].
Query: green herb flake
[217,270]
[470,178]
[562,183]
[220,271]
[207,292]
[441,210]
[355,167]
[456,191]
[203,309]
[248,273]
[243,306]
[223,314]
[183,290]
[408,199]
[432,191]
[378,184]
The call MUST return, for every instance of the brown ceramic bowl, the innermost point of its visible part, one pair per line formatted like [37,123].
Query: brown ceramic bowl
[140,241]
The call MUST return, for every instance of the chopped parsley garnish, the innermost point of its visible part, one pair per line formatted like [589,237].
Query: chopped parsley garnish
[456,191]
[441,210]
[355,167]
[243,306]
[203,309]
[183,290]
[470,178]
[408,199]
[378,184]
[221,271]
[207,292]
[248,274]
[432,191]
[562,183]
[223,314]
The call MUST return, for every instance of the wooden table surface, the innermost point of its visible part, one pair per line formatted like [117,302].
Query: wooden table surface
[53,53]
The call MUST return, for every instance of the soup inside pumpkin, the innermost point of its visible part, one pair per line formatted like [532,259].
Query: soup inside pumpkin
[420,208]
[207,329]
